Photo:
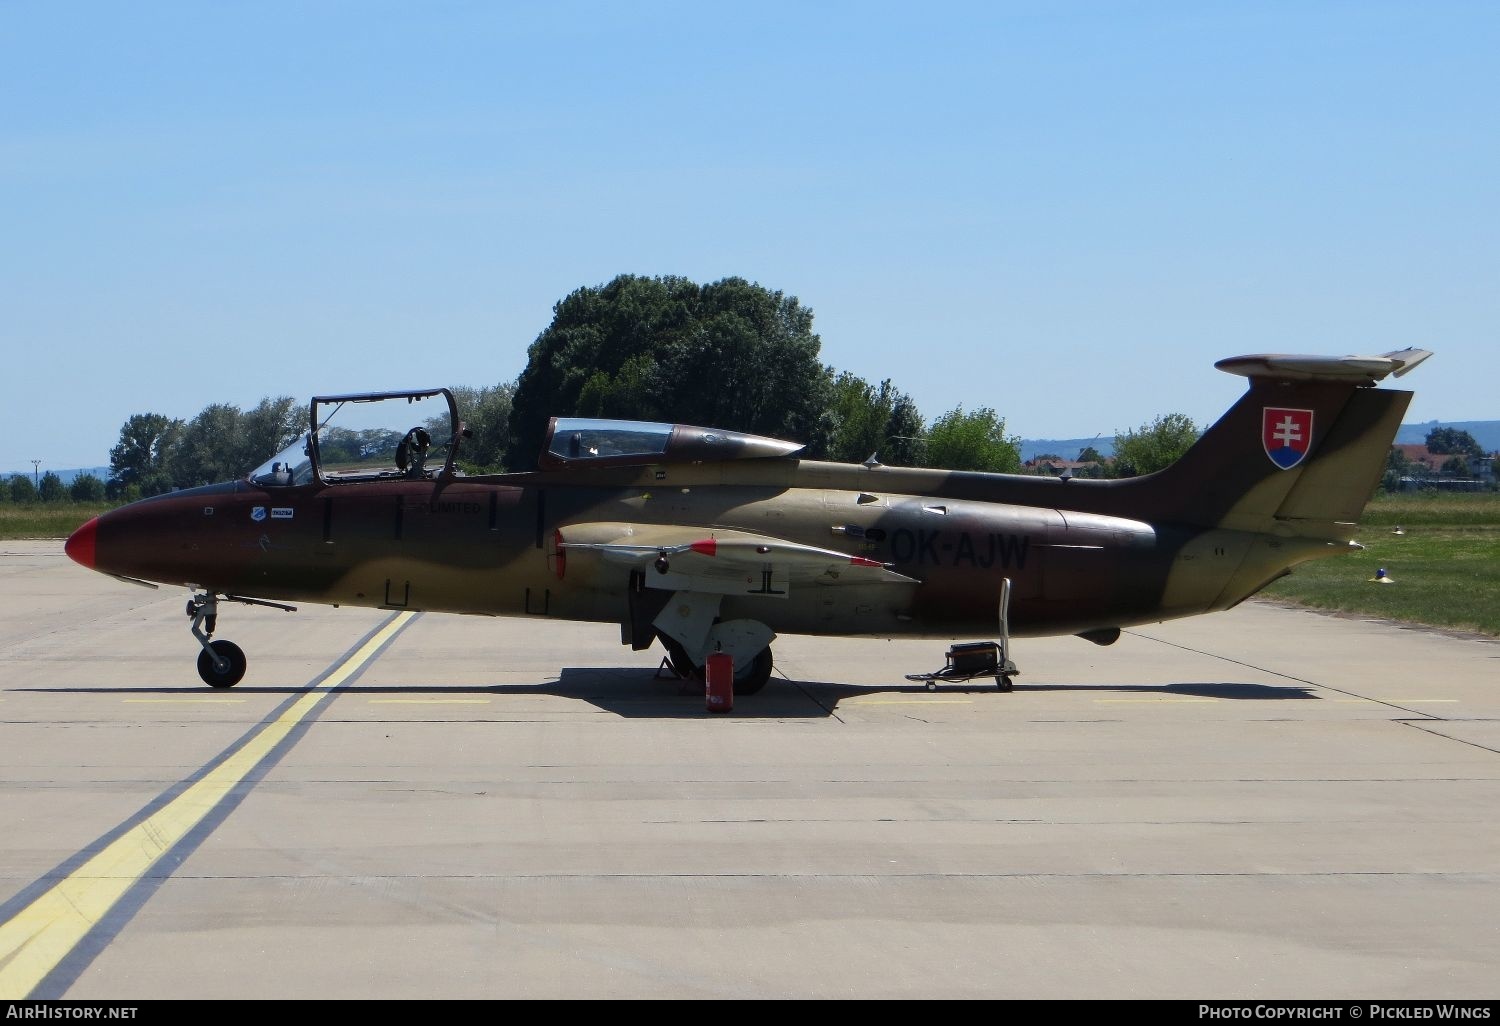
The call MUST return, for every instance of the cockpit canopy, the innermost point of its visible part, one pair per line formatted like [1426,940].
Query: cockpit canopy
[572,441]
[369,435]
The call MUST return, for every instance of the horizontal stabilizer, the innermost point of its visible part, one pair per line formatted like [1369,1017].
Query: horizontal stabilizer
[1361,370]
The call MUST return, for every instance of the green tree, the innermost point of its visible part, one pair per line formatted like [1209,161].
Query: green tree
[1456,465]
[1154,446]
[86,488]
[273,425]
[223,443]
[486,414]
[1090,455]
[220,444]
[729,354]
[972,441]
[211,448]
[51,488]
[22,489]
[116,490]
[1446,440]
[1397,466]
[139,460]
[868,421]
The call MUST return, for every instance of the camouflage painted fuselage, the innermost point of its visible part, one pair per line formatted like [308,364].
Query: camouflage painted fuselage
[1081,555]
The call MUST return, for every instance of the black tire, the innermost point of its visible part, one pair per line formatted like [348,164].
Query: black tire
[748,678]
[756,674]
[226,650]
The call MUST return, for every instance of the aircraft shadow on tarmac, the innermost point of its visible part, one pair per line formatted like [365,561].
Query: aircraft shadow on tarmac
[627,693]
[635,693]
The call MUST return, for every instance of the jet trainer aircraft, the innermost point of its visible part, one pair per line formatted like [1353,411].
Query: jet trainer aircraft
[709,541]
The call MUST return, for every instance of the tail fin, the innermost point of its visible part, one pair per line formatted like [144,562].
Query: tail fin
[1301,451]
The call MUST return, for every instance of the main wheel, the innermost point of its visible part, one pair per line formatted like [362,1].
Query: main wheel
[233,671]
[748,677]
[755,675]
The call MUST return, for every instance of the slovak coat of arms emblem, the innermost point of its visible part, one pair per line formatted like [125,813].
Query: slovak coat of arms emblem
[1286,435]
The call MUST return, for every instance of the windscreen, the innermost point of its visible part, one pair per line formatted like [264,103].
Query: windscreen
[290,466]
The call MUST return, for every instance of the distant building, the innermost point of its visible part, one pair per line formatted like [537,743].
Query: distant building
[1483,467]
[1420,460]
[1424,469]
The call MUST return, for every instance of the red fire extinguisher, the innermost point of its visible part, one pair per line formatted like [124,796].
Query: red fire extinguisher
[718,682]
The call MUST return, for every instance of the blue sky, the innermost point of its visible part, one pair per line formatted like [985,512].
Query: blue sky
[1063,211]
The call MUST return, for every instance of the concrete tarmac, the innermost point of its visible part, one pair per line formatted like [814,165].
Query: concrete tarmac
[1262,804]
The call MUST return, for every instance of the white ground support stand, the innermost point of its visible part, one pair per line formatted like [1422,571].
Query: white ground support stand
[979,658]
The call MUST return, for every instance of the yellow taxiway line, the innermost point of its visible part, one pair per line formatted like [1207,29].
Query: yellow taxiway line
[41,935]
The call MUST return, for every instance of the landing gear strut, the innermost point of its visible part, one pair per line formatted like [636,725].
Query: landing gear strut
[221,664]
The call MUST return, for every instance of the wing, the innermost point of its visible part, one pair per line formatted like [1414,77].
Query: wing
[711,560]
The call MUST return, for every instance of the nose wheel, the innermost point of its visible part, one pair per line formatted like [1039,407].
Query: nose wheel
[221,664]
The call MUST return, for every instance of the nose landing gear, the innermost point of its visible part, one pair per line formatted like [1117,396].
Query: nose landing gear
[221,664]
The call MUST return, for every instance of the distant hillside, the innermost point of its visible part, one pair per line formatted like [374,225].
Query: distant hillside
[1485,432]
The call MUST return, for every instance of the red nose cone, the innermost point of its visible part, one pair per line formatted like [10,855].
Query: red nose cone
[80,544]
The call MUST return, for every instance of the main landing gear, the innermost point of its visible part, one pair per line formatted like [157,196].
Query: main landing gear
[221,664]
[749,676]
